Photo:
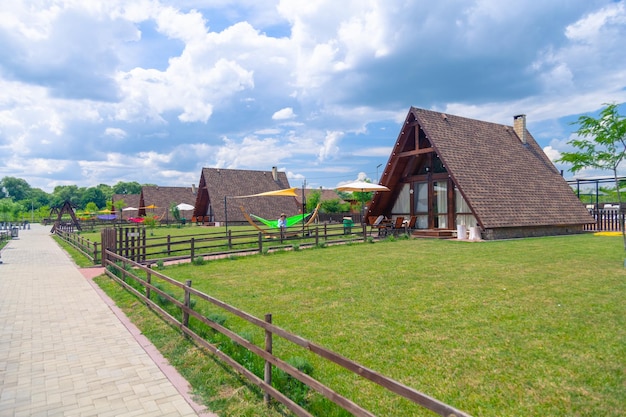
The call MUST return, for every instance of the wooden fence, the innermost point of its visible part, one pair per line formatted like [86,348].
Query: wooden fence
[124,271]
[90,249]
[134,244]
[609,220]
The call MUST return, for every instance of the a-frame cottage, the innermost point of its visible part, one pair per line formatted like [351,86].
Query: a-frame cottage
[448,170]
[219,188]
[156,201]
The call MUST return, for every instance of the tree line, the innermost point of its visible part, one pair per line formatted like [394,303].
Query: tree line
[19,201]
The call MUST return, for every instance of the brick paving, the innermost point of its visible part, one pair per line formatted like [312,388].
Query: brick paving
[63,349]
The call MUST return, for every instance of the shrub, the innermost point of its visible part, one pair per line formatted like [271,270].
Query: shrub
[217,318]
[289,385]
[161,299]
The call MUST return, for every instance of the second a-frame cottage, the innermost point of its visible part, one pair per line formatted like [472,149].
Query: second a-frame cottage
[220,190]
[447,170]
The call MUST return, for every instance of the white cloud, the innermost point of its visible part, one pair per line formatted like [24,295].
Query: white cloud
[552,153]
[331,145]
[284,114]
[115,133]
[172,79]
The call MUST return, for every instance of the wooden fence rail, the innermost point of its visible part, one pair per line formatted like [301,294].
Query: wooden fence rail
[88,248]
[118,265]
[189,247]
[133,243]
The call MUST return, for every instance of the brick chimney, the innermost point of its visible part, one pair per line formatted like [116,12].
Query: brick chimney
[519,125]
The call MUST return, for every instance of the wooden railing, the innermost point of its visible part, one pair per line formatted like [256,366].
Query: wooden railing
[123,271]
[132,242]
[172,248]
[88,248]
[609,220]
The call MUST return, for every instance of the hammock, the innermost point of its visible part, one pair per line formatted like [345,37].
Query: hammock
[291,221]
[269,233]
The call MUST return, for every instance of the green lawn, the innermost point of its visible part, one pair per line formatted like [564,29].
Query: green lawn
[509,328]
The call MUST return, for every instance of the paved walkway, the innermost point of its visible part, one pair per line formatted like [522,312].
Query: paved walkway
[66,351]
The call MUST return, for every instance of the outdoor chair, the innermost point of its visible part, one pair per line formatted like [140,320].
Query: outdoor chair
[397,225]
[378,225]
[411,224]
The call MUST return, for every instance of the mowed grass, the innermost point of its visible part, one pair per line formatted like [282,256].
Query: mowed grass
[509,328]
[164,231]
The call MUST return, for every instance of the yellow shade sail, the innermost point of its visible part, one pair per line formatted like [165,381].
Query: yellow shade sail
[287,192]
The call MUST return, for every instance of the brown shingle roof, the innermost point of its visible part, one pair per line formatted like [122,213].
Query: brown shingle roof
[216,183]
[163,198]
[505,182]
[130,200]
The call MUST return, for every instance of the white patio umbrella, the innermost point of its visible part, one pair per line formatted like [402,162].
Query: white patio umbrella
[362,186]
[129,208]
[184,207]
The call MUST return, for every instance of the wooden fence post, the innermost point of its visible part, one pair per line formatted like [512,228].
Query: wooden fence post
[108,239]
[317,236]
[260,242]
[230,239]
[95,253]
[187,304]
[143,249]
[149,281]
[169,247]
[193,248]
[267,377]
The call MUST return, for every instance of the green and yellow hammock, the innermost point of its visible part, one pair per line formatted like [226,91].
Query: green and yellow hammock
[291,221]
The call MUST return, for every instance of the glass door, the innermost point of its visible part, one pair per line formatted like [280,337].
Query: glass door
[431,204]
[440,204]
[421,205]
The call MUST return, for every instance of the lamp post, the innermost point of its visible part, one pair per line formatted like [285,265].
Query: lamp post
[378,166]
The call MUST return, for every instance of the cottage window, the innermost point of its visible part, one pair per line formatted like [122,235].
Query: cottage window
[464,214]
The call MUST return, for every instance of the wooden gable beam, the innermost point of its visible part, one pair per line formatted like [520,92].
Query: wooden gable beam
[415,152]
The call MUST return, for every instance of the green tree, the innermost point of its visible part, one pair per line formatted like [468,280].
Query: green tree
[175,212]
[63,193]
[601,144]
[93,195]
[91,207]
[38,198]
[106,190]
[6,204]
[334,206]
[15,188]
[127,188]
[312,200]
[119,204]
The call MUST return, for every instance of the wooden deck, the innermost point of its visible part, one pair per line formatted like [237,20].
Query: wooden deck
[434,233]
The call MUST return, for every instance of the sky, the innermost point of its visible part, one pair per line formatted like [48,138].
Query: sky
[97,92]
